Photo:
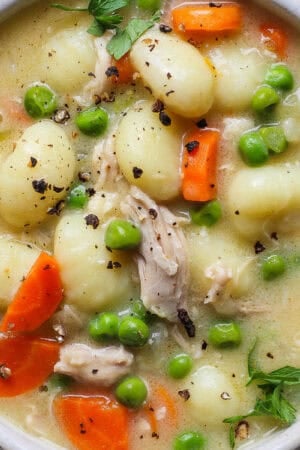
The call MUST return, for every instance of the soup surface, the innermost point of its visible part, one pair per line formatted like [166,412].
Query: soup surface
[149,220]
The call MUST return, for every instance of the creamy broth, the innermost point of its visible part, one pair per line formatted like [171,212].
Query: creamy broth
[265,310]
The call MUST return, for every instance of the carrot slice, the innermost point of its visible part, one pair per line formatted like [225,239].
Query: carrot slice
[15,111]
[199,165]
[125,70]
[93,422]
[275,39]
[25,363]
[203,19]
[37,298]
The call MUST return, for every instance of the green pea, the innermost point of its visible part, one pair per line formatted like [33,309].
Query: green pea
[93,121]
[274,138]
[149,5]
[279,76]
[226,334]
[273,267]
[133,332]
[122,235]
[77,197]
[40,101]
[253,149]
[131,392]
[104,326]
[60,381]
[189,440]
[208,215]
[179,366]
[264,98]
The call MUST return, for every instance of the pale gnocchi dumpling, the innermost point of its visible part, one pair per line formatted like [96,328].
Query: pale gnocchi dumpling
[148,152]
[36,175]
[239,71]
[16,261]
[263,198]
[92,276]
[212,396]
[66,60]
[176,72]
[217,248]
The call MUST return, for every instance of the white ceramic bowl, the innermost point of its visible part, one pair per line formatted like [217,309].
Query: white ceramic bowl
[11,437]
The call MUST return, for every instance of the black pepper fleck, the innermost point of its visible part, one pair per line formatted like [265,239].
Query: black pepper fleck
[112,72]
[185,394]
[61,116]
[165,28]
[152,213]
[40,186]
[165,119]
[192,145]
[137,172]
[32,162]
[92,219]
[158,106]
[187,322]
[201,123]
[259,247]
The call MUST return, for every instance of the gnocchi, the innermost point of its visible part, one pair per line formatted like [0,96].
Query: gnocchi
[66,60]
[148,153]
[176,72]
[36,175]
[81,253]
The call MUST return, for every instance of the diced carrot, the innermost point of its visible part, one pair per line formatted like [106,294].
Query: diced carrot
[160,398]
[125,70]
[275,39]
[25,363]
[15,112]
[93,422]
[199,165]
[37,298]
[203,19]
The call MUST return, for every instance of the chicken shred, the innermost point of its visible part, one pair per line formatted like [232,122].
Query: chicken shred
[220,276]
[162,256]
[98,366]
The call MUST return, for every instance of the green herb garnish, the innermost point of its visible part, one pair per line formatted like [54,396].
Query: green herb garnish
[106,17]
[272,403]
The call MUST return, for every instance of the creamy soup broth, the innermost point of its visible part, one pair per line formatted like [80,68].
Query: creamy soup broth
[265,310]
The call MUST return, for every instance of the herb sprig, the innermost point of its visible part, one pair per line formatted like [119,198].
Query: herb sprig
[272,403]
[106,17]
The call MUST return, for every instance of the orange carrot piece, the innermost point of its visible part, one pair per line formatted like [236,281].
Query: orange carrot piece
[37,298]
[125,70]
[25,362]
[202,19]
[275,39]
[199,165]
[93,422]
[15,111]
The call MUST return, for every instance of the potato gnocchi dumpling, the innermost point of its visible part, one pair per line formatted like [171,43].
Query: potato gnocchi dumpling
[103,278]
[262,198]
[36,175]
[66,60]
[176,72]
[238,73]
[206,386]
[15,262]
[149,153]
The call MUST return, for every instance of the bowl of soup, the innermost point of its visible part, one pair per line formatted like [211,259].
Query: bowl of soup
[149,216]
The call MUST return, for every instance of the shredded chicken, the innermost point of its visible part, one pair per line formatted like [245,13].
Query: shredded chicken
[99,82]
[162,257]
[105,165]
[220,276]
[100,366]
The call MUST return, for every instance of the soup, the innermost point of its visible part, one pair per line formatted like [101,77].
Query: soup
[149,212]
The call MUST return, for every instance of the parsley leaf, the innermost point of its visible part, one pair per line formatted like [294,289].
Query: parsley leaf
[119,44]
[123,40]
[272,403]
[106,17]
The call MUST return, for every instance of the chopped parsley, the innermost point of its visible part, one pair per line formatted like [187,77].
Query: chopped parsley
[106,17]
